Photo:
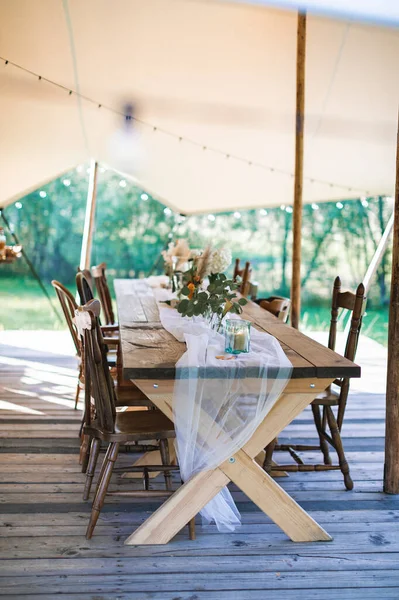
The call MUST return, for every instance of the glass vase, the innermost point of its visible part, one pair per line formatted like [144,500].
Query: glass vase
[237,336]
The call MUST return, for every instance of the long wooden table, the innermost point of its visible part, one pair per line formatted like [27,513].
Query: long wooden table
[149,355]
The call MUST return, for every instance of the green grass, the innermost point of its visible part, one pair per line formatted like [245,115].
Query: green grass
[24,306]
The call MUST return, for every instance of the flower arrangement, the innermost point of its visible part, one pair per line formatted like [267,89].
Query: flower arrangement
[218,297]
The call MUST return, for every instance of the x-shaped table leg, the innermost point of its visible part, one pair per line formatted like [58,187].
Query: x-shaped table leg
[242,469]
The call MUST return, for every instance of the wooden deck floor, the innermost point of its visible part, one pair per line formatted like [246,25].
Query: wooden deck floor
[44,552]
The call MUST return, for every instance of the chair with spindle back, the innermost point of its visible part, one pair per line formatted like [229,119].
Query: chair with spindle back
[68,305]
[243,275]
[323,413]
[277,306]
[131,396]
[100,280]
[112,427]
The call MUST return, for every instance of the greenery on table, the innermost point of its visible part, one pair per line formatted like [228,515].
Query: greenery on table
[214,303]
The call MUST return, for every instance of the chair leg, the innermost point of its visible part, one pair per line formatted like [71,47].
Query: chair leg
[164,449]
[77,396]
[104,463]
[336,436]
[94,452]
[85,452]
[267,463]
[102,489]
[320,426]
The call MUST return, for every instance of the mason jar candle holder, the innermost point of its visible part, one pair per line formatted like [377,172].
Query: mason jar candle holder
[237,336]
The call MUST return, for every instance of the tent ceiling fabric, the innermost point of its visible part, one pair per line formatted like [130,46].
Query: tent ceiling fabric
[220,74]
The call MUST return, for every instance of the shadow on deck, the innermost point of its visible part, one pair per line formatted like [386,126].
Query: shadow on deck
[44,552]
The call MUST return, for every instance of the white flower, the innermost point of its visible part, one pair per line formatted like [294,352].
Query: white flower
[195,253]
[220,260]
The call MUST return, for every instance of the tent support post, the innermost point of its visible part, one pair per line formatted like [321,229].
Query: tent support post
[30,264]
[391,466]
[88,230]
[298,183]
[378,255]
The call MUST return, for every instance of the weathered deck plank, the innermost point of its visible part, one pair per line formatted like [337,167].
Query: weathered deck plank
[42,517]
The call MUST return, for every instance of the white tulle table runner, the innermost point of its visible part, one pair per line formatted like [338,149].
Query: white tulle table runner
[218,404]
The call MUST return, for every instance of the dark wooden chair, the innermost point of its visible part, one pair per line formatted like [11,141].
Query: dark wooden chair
[100,280]
[322,406]
[277,306]
[68,305]
[243,275]
[112,427]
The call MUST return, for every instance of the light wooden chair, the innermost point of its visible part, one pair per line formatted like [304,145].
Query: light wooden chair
[115,428]
[277,306]
[244,276]
[322,406]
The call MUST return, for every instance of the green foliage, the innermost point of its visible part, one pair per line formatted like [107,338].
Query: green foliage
[214,302]
[131,229]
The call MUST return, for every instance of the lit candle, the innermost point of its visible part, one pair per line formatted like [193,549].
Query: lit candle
[241,341]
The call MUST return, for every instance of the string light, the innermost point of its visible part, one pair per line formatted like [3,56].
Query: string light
[237,215]
[364,202]
[18,205]
[339,205]
[282,206]
[263,212]
[211,218]
[173,135]
[122,183]
[289,209]
[66,182]
[42,194]
[144,197]
[315,206]
[167,211]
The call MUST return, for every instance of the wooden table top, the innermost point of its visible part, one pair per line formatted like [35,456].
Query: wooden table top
[149,351]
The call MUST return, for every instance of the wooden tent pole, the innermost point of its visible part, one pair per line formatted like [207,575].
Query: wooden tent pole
[391,467]
[88,230]
[298,182]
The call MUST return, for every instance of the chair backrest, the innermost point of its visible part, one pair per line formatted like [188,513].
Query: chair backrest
[102,288]
[244,274]
[356,303]
[85,290]
[98,381]
[279,307]
[89,278]
[68,305]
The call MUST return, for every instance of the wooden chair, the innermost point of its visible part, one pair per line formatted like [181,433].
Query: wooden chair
[125,397]
[323,413]
[277,306]
[100,280]
[244,275]
[112,427]
[68,305]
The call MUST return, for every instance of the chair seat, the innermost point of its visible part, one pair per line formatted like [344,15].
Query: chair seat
[327,398]
[134,427]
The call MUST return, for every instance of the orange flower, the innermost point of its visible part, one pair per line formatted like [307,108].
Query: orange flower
[191,287]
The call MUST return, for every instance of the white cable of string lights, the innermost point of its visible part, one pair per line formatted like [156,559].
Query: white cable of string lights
[78,95]
[204,147]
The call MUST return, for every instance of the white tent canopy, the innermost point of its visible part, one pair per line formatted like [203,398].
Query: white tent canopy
[221,75]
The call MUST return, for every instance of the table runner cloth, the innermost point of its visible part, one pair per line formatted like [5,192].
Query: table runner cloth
[219,403]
